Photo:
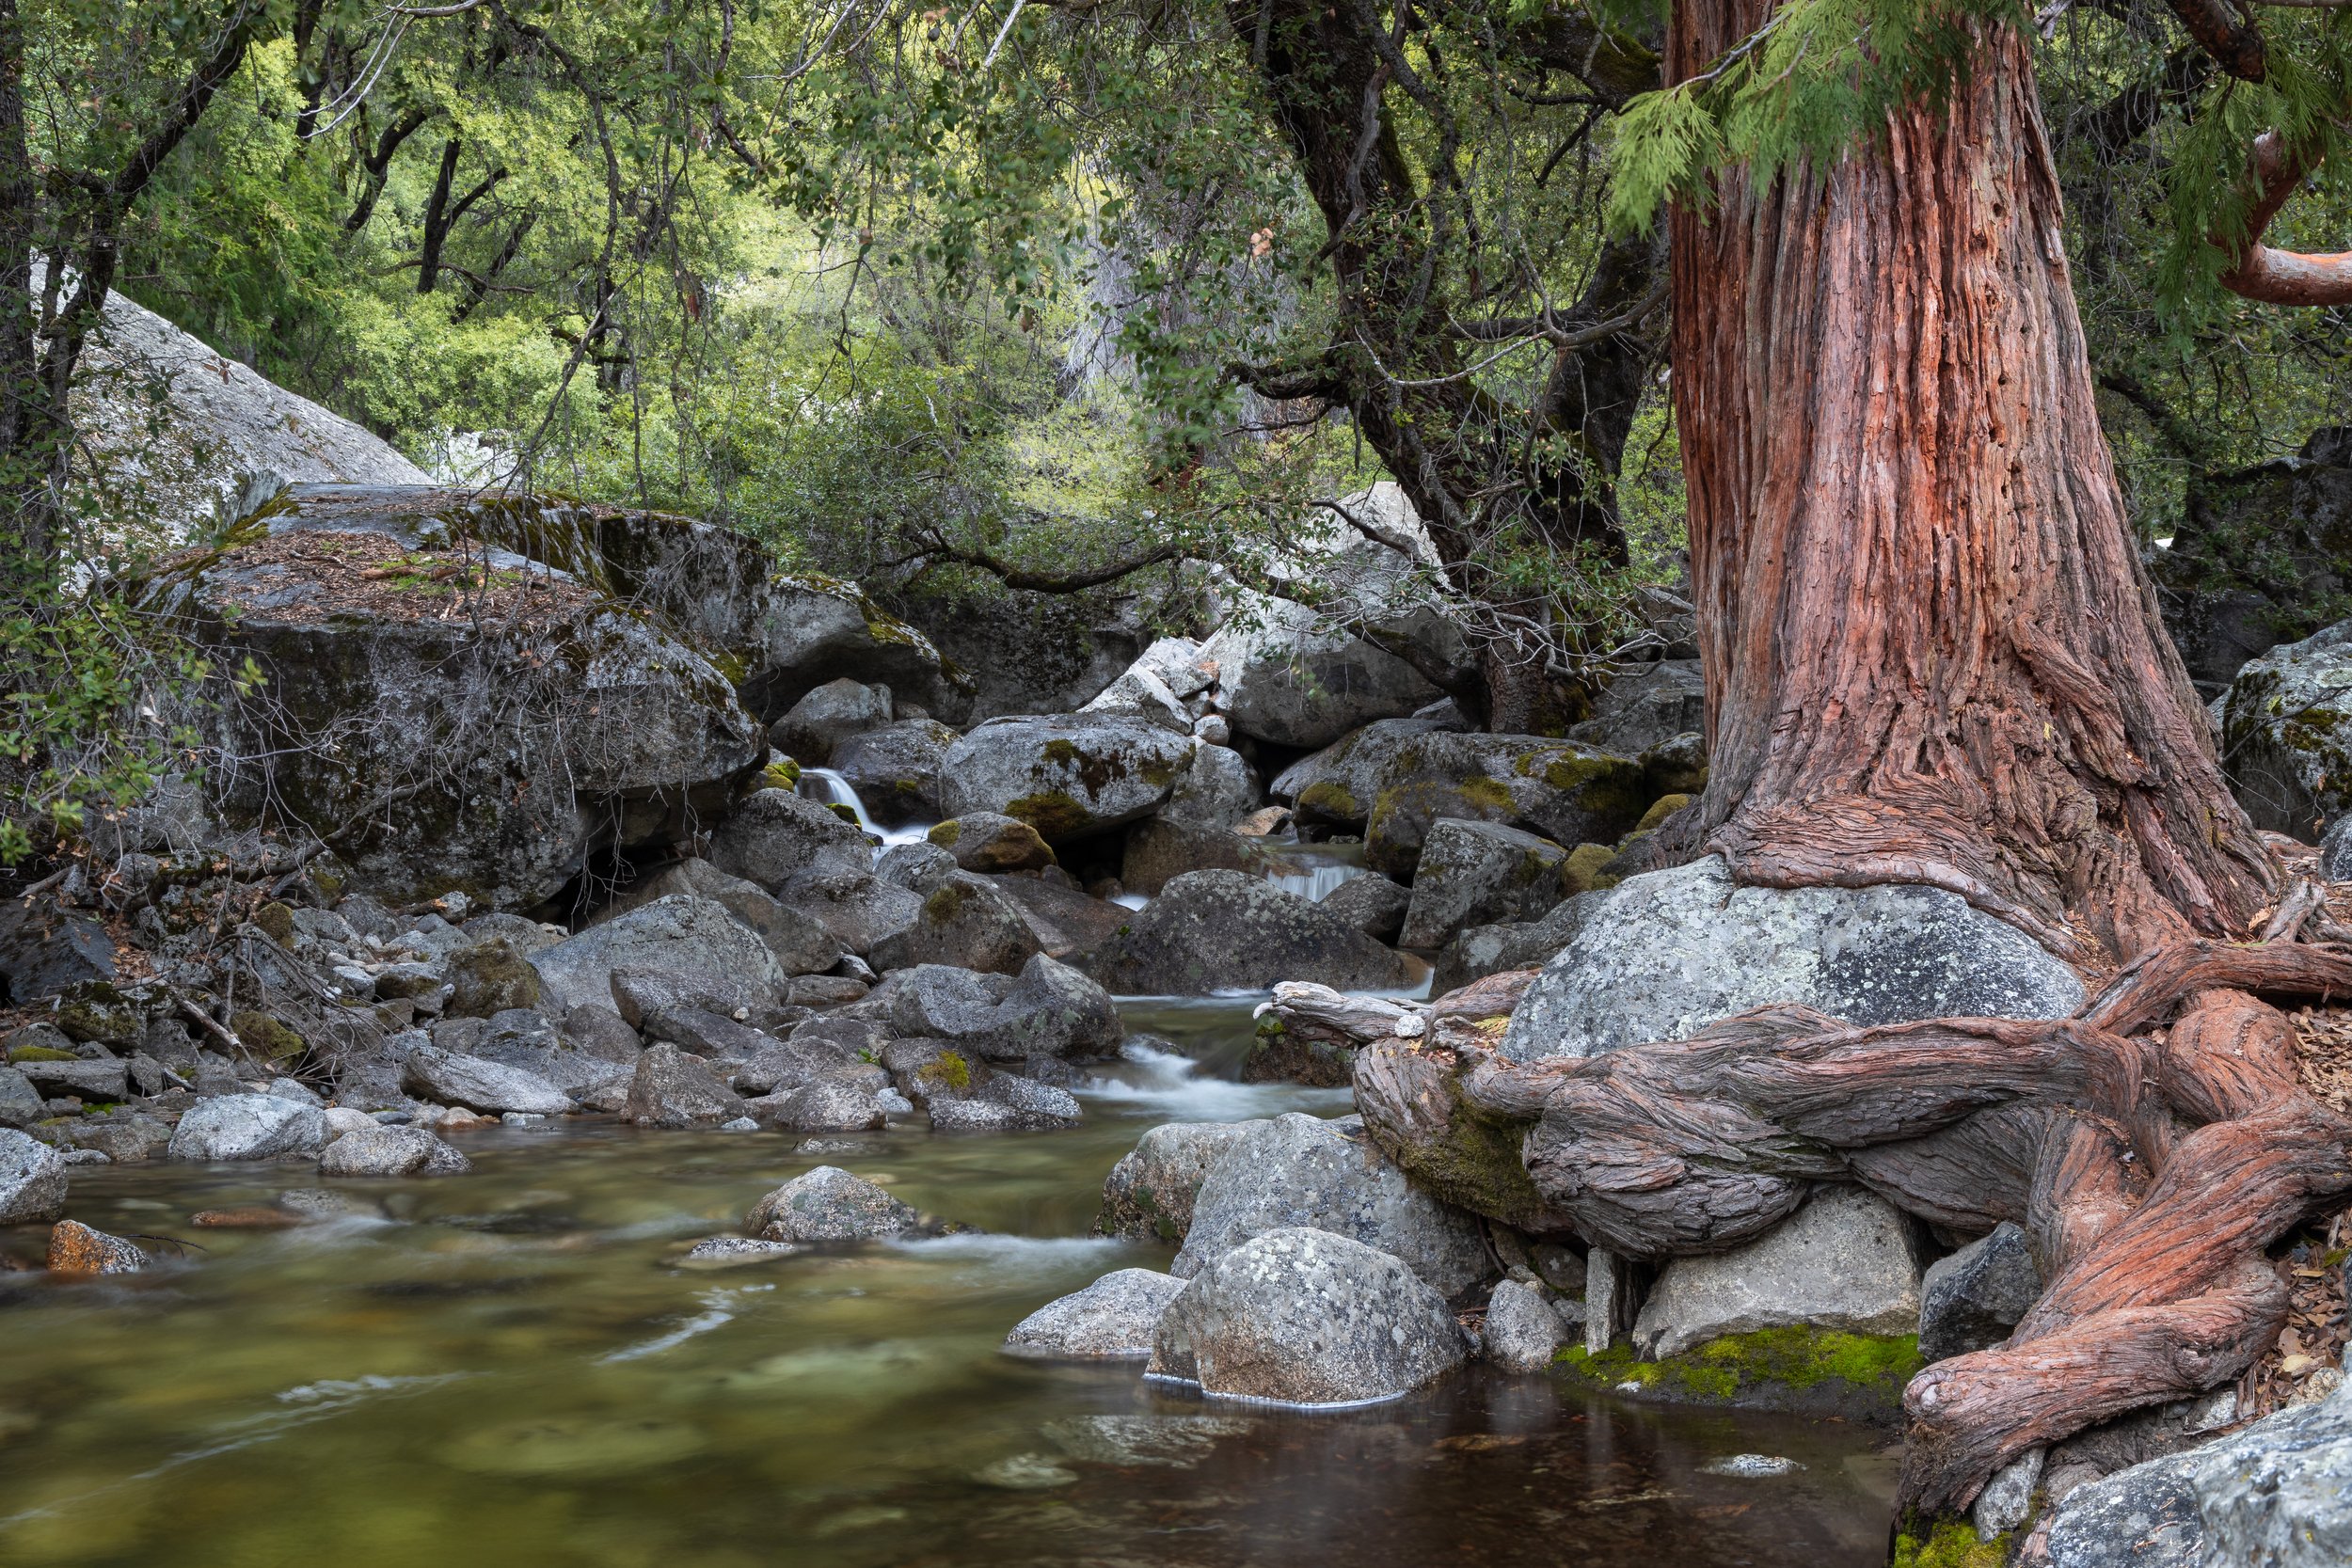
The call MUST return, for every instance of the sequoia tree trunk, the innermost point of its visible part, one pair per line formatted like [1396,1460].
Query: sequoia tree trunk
[1931,654]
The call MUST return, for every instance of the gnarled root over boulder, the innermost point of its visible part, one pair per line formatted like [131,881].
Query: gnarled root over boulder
[2152,1146]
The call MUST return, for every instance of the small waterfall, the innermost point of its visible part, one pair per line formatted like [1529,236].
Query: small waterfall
[827,787]
[1313,882]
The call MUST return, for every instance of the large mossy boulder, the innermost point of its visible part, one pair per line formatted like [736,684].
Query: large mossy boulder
[1664,954]
[2286,734]
[1335,786]
[1070,776]
[1480,874]
[1557,789]
[462,717]
[1227,931]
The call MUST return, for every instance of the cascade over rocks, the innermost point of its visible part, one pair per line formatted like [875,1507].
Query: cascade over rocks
[895,769]
[1666,952]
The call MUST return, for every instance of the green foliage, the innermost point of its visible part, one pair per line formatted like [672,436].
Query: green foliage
[1797,1357]
[1953,1543]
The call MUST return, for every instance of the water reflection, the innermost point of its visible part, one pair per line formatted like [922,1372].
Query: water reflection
[511,1368]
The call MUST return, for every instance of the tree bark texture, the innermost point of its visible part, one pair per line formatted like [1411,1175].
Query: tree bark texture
[1931,654]
[2150,1166]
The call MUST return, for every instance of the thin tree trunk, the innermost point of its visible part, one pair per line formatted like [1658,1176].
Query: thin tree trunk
[1931,654]
[24,406]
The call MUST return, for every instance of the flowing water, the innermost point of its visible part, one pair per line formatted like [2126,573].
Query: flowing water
[830,788]
[509,1367]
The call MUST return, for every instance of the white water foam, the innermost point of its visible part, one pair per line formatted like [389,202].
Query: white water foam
[1173,1087]
[718,1311]
[987,1256]
[1317,882]
[828,787]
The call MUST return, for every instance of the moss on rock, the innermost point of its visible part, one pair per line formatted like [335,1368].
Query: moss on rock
[1772,1366]
[266,1036]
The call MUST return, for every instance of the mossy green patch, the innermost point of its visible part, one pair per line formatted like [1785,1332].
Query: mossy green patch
[1953,1543]
[945,834]
[277,920]
[1486,794]
[40,1054]
[781,775]
[1054,813]
[1582,871]
[946,902]
[1795,1358]
[843,810]
[1330,799]
[1660,808]
[266,1036]
[1064,752]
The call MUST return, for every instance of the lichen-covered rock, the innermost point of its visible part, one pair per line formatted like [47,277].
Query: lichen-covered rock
[74,1248]
[1645,705]
[575,724]
[1159,850]
[674,1089]
[1286,678]
[1070,776]
[1306,1318]
[828,1204]
[681,933]
[104,1078]
[1559,789]
[964,922]
[1005,1103]
[895,767]
[827,715]
[2286,734]
[1371,903]
[1479,874]
[858,910]
[1843,1261]
[96,1012]
[1669,952]
[776,835]
[2277,1494]
[1069,924]
[490,1087]
[20,1102]
[1336,788]
[840,1100]
[1110,1319]
[1149,1193]
[489,977]
[986,841]
[392,1152]
[1298,1171]
[1219,789]
[1049,1010]
[802,943]
[1523,1330]
[249,1127]
[1483,950]
[45,947]
[1972,1299]
[1226,930]
[32,1179]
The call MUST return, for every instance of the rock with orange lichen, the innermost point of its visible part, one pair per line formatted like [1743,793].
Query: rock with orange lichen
[74,1248]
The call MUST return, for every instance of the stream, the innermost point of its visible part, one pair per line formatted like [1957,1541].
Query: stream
[507,1367]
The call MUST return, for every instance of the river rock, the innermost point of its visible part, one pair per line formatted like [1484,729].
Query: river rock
[964,922]
[32,1179]
[74,1248]
[987,841]
[1219,789]
[782,1066]
[45,947]
[674,1089]
[124,1136]
[827,715]
[1845,1261]
[1371,903]
[802,944]
[1972,1299]
[1225,930]
[1335,786]
[838,1100]
[1672,951]
[1069,925]
[1111,1318]
[1480,874]
[250,1127]
[1307,1318]
[682,933]
[572,724]
[1048,1011]
[1140,693]
[2277,1494]
[1559,789]
[392,1152]
[1002,1102]
[1298,1171]
[1645,705]
[100,1079]
[1149,1193]
[895,769]
[1285,681]
[1070,776]
[20,1102]
[1483,950]
[1523,1330]
[1159,851]
[492,1088]
[828,1204]
[489,977]
[2286,734]
[776,835]
[597,1029]
[858,910]
[919,868]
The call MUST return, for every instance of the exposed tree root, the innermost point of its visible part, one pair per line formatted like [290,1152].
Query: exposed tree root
[2151,1167]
